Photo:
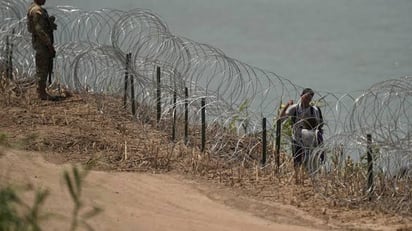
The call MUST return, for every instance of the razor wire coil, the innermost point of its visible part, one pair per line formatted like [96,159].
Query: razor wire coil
[91,55]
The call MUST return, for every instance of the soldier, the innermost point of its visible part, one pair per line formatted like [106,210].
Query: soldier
[41,26]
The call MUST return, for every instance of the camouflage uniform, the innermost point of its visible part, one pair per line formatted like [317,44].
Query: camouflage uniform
[41,26]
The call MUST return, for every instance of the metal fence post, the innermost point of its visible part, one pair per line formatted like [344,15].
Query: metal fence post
[159,105]
[278,137]
[264,141]
[186,115]
[370,165]
[174,116]
[11,60]
[132,90]
[203,124]
[126,80]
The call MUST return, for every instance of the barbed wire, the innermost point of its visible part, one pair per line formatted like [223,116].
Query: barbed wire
[91,56]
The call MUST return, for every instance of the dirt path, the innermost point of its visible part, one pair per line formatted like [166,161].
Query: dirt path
[141,201]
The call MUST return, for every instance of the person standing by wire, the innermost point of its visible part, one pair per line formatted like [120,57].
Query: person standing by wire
[41,26]
[307,125]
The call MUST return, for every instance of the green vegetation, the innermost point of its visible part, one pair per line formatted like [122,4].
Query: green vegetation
[16,215]
[240,118]
[74,183]
[3,140]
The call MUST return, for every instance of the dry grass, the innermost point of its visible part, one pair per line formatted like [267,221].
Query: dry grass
[96,131]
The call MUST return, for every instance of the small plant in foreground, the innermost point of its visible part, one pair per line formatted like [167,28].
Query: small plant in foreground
[74,183]
[15,215]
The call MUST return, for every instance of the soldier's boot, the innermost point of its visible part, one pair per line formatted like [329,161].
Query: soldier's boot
[43,95]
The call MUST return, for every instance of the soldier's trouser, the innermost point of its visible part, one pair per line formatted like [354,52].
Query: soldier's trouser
[43,60]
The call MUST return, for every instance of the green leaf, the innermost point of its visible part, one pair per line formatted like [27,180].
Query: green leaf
[70,186]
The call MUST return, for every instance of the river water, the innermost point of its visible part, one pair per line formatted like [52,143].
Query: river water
[329,45]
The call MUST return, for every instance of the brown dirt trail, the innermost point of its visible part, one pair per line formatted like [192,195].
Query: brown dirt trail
[136,201]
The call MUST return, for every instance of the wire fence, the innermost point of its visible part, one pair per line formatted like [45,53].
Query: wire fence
[92,49]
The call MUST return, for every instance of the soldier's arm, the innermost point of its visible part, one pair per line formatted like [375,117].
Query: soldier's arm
[40,32]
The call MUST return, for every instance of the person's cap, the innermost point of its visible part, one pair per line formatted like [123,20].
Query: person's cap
[307,91]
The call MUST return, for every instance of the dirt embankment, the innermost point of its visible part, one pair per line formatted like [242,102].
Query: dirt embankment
[99,134]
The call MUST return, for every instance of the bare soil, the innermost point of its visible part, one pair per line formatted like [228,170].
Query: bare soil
[144,181]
